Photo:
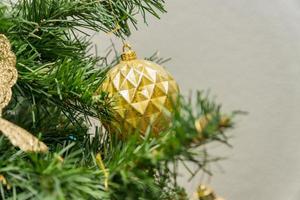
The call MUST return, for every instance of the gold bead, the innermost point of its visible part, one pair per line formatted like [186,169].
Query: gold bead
[225,121]
[205,193]
[202,122]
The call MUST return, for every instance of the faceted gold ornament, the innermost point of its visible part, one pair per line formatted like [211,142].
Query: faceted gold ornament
[142,93]
[8,77]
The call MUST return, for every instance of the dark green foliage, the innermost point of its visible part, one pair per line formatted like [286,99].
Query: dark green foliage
[138,167]
[53,99]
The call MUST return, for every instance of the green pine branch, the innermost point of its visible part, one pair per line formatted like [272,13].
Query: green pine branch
[138,168]
[54,68]
[53,100]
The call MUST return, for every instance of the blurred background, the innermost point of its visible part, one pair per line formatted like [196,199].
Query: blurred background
[247,53]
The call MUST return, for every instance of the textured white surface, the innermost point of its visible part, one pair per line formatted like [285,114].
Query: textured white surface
[247,53]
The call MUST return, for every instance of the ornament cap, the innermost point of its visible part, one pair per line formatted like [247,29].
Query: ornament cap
[128,54]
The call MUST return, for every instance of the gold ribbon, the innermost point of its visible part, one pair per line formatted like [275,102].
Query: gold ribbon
[101,165]
[8,77]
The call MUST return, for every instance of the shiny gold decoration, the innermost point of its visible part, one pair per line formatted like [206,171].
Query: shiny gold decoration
[8,72]
[21,138]
[128,55]
[101,165]
[8,77]
[142,92]
[4,182]
[202,122]
[206,193]
[59,158]
[225,121]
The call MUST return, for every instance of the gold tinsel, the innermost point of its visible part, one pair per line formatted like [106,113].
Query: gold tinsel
[8,77]
[142,92]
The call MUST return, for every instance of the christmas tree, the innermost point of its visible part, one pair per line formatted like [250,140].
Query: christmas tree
[54,99]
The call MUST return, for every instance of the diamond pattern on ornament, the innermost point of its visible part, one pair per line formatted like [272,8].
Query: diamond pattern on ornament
[141,91]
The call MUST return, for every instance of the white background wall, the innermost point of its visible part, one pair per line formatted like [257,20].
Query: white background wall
[248,53]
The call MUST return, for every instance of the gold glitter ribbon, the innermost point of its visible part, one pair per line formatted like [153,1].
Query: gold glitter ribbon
[8,77]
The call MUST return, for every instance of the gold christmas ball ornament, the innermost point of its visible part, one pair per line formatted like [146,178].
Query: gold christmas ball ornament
[142,93]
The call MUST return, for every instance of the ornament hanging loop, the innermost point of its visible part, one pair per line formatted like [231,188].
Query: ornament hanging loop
[126,46]
[128,54]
